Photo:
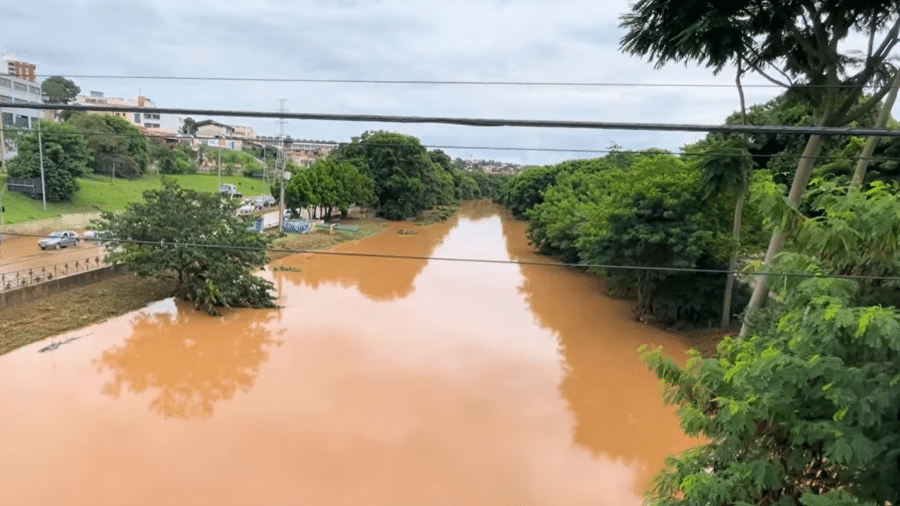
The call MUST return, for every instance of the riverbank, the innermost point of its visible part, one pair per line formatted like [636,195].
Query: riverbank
[69,310]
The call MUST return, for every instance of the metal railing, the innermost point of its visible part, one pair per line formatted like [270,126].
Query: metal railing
[13,280]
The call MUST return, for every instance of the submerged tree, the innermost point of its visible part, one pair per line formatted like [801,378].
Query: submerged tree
[196,237]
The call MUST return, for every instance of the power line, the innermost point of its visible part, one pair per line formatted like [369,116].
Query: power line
[453,83]
[333,144]
[481,122]
[475,260]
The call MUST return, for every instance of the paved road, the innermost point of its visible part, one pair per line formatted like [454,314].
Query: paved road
[21,253]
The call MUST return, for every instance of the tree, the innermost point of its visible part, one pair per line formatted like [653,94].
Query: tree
[805,409]
[726,167]
[800,39]
[188,127]
[59,90]
[195,236]
[66,157]
[170,160]
[117,144]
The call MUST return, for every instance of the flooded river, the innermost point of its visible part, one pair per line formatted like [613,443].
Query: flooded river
[379,382]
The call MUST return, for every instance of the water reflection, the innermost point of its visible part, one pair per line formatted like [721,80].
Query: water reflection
[189,360]
[613,397]
[364,273]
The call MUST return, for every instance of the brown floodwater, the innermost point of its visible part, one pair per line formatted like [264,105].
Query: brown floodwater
[379,382]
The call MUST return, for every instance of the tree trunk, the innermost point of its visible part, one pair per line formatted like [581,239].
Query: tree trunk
[798,187]
[859,175]
[732,262]
[738,216]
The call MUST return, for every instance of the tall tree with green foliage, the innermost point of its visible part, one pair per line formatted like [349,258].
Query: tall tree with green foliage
[406,179]
[66,157]
[117,144]
[59,90]
[726,165]
[195,237]
[798,39]
[806,410]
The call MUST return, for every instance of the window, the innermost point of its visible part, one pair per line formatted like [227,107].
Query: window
[21,121]
[5,82]
[20,87]
[20,101]
[34,89]
[137,117]
[4,98]
[7,118]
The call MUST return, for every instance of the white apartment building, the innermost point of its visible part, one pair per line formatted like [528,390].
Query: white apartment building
[18,85]
[165,123]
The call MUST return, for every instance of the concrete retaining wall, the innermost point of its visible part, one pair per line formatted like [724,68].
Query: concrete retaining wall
[32,292]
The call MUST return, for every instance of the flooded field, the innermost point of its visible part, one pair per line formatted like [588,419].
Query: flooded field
[380,381]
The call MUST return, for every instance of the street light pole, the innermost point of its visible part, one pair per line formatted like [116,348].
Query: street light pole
[281,191]
[2,143]
[219,162]
[41,154]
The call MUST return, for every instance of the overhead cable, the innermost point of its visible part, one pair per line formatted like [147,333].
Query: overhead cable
[335,144]
[478,122]
[451,82]
[606,267]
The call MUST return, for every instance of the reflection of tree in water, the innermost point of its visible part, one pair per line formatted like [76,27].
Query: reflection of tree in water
[380,279]
[190,360]
[614,399]
[478,209]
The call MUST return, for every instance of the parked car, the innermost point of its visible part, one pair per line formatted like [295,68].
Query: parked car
[59,239]
[264,201]
[246,208]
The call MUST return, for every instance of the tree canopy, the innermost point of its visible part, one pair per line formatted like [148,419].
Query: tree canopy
[66,157]
[59,90]
[117,144]
[196,237]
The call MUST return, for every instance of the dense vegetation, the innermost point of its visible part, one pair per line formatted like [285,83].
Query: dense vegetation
[66,156]
[214,263]
[390,171]
[804,407]
[642,210]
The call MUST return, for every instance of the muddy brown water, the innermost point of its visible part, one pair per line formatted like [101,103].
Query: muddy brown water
[379,382]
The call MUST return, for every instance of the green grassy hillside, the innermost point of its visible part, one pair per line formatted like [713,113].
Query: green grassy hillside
[100,194]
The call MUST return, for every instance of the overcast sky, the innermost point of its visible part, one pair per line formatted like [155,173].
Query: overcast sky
[459,40]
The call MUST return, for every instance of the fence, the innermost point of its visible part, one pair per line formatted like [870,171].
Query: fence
[14,280]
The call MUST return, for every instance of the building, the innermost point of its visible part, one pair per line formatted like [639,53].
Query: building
[165,123]
[244,132]
[215,134]
[18,86]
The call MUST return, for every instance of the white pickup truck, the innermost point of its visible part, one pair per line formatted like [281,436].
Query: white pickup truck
[230,190]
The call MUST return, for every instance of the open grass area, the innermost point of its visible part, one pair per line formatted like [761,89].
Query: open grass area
[100,194]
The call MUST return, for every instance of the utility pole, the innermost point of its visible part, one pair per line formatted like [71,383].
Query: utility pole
[41,154]
[112,178]
[2,143]
[219,163]
[281,191]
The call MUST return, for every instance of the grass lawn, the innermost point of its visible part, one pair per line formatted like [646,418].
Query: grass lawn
[100,194]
